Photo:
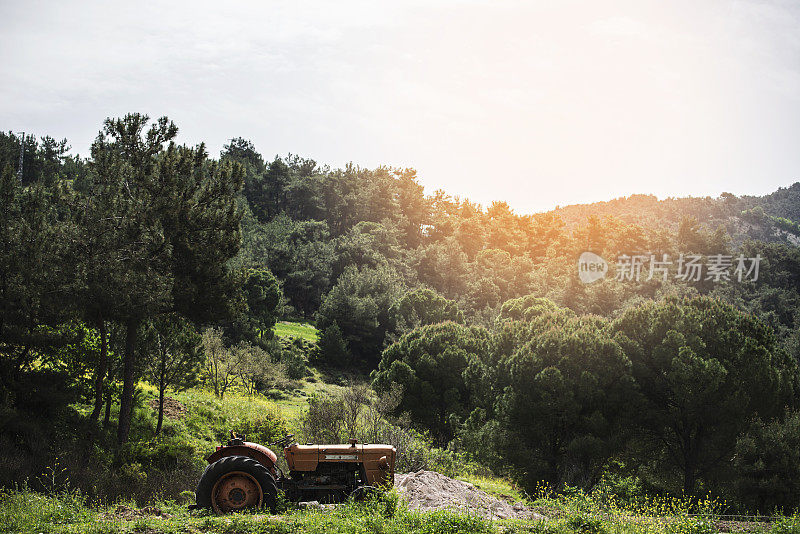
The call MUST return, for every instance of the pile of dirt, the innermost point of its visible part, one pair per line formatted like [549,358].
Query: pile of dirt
[173,408]
[428,490]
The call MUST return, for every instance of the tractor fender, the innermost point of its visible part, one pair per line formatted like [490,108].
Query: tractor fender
[257,452]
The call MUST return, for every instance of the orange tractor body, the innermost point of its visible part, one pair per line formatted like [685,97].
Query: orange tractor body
[243,474]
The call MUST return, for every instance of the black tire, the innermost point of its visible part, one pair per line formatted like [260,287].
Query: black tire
[230,464]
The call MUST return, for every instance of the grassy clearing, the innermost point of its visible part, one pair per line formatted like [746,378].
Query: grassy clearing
[302,330]
[24,511]
[292,404]
[238,407]
[210,419]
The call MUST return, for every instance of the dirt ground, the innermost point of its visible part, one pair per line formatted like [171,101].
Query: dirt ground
[428,490]
[172,408]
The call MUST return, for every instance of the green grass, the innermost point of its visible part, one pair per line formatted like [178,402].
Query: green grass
[302,330]
[24,511]
[29,512]
[208,418]
[498,487]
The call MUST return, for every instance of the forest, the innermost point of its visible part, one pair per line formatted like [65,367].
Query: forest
[149,268]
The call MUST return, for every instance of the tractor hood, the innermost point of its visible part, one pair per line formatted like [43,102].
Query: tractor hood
[306,457]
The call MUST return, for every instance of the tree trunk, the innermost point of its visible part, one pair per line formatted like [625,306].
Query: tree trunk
[107,418]
[215,377]
[102,369]
[688,481]
[128,370]
[160,410]
[690,455]
[162,385]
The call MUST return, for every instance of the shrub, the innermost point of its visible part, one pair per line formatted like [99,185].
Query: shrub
[323,422]
[585,524]
[265,428]
[767,464]
[295,365]
[619,487]
[332,347]
[352,412]
[161,452]
[293,354]
[786,525]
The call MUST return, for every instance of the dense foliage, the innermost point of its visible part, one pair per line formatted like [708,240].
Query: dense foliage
[150,260]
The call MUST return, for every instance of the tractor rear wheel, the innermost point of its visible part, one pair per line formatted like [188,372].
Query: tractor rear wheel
[236,483]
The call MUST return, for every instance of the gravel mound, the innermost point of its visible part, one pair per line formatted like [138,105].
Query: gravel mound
[428,490]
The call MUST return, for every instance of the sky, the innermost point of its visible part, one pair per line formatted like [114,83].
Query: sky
[536,103]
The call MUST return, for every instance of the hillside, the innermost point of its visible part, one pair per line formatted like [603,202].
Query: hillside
[738,215]
[155,298]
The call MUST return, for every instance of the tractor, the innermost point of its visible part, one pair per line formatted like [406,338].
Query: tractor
[243,475]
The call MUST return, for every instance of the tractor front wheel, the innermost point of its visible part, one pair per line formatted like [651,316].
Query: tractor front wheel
[236,483]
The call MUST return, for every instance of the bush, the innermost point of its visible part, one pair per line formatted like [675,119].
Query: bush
[323,422]
[293,355]
[585,524]
[354,412]
[767,464]
[786,525]
[295,365]
[332,347]
[618,486]
[161,452]
[265,428]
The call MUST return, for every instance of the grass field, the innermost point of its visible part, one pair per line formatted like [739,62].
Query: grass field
[303,330]
[26,512]
[23,511]
[238,407]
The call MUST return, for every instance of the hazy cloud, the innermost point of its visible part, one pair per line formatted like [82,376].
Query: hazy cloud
[537,103]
